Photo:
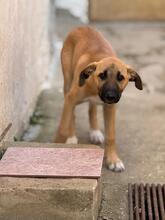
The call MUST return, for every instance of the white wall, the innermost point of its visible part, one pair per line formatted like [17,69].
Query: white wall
[24,59]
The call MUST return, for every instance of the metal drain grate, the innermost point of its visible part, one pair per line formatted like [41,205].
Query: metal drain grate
[146,202]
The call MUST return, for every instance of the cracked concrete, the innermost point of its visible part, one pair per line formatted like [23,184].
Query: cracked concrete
[140,116]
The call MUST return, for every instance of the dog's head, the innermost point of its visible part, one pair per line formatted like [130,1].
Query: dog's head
[109,76]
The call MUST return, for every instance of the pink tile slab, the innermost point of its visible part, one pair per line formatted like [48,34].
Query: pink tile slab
[51,162]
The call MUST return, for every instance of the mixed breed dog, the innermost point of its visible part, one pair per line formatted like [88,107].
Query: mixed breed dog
[92,72]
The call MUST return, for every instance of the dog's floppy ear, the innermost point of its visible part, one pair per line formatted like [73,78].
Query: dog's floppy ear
[135,77]
[86,73]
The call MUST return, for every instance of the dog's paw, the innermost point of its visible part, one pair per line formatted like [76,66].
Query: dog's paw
[71,140]
[96,137]
[117,166]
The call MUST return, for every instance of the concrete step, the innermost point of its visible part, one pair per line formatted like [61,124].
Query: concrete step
[27,197]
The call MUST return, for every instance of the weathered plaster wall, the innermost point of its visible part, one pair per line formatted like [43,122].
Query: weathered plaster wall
[24,59]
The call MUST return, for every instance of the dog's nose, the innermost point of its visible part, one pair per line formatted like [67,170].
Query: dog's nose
[111,96]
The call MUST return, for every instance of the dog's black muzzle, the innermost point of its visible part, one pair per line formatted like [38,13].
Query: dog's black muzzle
[110,95]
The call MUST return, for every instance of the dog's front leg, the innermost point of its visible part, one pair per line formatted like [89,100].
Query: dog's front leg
[66,118]
[112,160]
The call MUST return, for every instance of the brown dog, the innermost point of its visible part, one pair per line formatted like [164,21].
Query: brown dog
[93,73]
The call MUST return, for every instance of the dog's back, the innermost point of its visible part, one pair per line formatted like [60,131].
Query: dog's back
[82,46]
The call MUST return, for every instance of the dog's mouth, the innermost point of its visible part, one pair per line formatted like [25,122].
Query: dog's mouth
[110,101]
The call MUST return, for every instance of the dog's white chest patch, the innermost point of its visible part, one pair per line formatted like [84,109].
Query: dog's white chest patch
[93,99]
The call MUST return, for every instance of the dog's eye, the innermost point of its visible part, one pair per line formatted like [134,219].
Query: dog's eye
[103,75]
[120,77]
[86,76]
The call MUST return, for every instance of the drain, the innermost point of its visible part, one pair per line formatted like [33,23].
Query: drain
[146,202]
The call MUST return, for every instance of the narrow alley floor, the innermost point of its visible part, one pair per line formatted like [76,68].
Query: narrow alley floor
[140,114]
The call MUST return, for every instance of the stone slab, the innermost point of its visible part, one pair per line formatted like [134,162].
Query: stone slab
[52,162]
[49,198]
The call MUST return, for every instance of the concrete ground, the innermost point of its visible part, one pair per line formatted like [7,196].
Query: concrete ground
[140,116]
